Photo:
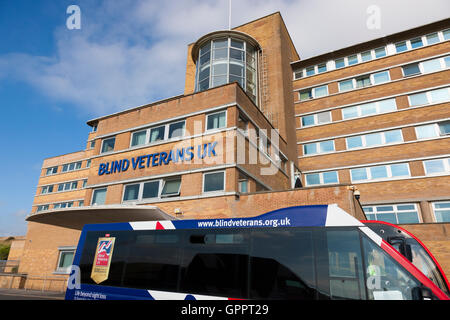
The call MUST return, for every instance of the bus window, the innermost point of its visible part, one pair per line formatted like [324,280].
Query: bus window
[424,263]
[385,279]
[282,265]
[345,265]
[153,261]
[119,257]
[215,262]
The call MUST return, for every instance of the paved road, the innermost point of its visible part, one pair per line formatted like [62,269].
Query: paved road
[14,294]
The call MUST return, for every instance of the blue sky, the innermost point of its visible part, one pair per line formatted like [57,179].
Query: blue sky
[132,52]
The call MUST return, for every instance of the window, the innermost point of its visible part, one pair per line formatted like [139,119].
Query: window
[92,145]
[411,69]
[157,134]
[437,166]
[65,260]
[216,120]
[380,77]
[401,46]
[243,185]
[352,59]
[81,203]
[151,190]
[46,189]
[366,56]
[42,208]
[382,106]
[416,43]
[227,60]
[329,177]
[171,188]
[310,71]
[108,145]
[431,65]
[298,74]
[88,163]
[313,93]
[446,34]
[432,38]
[380,52]
[363,81]
[139,138]
[340,63]
[427,131]
[346,85]
[176,129]
[433,96]
[318,147]
[131,192]
[320,91]
[214,181]
[393,213]
[67,186]
[52,170]
[71,166]
[98,196]
[380,172]
[322,67]
[441,211]
[63,205]
[315,119]
[374,139]
[305,95]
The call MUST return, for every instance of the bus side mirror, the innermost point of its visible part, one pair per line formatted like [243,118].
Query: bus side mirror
[422,293]
[400,244]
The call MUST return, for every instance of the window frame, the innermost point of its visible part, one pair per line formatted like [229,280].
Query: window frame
[446,166]
[214,191]
[321,179]
[103,143]
[388,172]
[316,119]
[62,251]
[93,194]
[395,211]
[433,207]
[215,113]
[383,140]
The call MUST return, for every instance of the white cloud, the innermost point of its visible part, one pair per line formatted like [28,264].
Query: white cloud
[133,52]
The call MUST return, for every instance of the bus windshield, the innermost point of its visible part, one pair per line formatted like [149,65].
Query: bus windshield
[415,251]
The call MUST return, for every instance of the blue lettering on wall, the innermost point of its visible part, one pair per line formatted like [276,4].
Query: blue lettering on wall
[158,159]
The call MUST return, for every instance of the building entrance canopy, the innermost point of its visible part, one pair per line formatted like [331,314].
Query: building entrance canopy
[77,217]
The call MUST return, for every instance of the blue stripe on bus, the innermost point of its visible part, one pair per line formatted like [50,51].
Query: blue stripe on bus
[307,216]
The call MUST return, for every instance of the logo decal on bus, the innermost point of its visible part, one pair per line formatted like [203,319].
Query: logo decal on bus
[102,260]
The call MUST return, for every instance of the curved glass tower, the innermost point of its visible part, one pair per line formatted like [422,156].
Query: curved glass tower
[224,57]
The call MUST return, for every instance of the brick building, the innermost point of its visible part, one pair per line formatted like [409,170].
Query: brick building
[257,129]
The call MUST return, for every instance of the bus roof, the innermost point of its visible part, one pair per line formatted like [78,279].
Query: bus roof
[298,216]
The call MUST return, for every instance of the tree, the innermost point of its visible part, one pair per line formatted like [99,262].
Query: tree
[4,251]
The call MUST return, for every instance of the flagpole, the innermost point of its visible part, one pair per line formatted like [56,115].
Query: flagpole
[229,15]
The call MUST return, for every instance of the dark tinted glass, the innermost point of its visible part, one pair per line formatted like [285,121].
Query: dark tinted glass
[215,263]
[282,265]
[153,261]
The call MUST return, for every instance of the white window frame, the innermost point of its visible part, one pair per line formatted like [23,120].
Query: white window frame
[395,210]
[103,141]
[41,208]
[63,250]
[446,162]
[433,206]
[428,96]
[435,129]
[359,111]
[92,195]
[364,141]
[316,119]
[214,191]
[321,179]
[318,148]
[166,134]
[388,171]
[219,128]
[52,171]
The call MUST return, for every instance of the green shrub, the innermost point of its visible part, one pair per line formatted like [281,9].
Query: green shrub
[4,251]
